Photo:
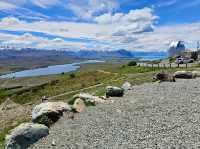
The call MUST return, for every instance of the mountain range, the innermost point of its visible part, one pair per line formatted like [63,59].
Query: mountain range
[81,54]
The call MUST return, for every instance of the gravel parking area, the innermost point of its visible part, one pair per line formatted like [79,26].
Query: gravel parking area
[155,115]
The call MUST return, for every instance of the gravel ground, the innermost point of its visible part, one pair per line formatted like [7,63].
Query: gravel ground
[165,115]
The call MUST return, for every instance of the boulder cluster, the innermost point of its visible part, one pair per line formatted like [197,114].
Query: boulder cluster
[164,76]
[47,113]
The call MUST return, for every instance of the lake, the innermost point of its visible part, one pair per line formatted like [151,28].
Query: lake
[56,69]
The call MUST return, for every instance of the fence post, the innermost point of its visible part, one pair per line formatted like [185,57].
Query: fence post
[164,66]
[158,66]
[186,65]
[170,65]
[178,65]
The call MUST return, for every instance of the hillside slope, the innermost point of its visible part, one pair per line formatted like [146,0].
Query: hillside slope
[151,115]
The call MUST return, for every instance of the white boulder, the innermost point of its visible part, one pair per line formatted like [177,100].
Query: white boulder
[89,98]
[49,110]
[79,105]
[127,86]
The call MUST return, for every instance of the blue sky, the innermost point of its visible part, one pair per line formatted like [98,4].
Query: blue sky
[142,25]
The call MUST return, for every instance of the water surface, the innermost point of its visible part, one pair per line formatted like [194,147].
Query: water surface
[56,69]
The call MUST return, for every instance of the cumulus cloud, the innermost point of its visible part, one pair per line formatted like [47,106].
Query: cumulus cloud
[132,31]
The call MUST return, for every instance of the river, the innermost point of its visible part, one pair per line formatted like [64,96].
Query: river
[56,69]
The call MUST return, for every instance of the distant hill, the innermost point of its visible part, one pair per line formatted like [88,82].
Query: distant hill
[82,54]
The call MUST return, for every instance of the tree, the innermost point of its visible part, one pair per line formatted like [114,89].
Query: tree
[194,55]
[132,63]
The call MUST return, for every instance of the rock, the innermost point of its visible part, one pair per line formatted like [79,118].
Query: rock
[127,86]
[79,105]
[8,105]
[196,74]
[163,76]
[53,143]
[88,98]
[49,112]
[25,134]
[113,91]
[183,75]
[44,98]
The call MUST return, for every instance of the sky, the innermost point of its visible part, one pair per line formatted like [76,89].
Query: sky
[136,25]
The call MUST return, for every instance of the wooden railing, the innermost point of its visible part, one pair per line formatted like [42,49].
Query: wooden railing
[165,65]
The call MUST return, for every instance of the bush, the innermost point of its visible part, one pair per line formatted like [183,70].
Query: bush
[194,55]
[72,75]
[172,59]
[132,63]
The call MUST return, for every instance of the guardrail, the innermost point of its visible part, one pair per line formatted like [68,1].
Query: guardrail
[165,65]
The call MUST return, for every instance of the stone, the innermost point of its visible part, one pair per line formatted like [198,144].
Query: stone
[53,143]
[183,75]
[196,74]
[113,91]
[49,112]
[24,135]
[127,86]
[79,105]
[164,77]
[88,98]
[8,105]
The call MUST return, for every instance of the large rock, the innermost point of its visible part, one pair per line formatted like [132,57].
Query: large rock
[183,75]
[196,74]
[79,105]
[127,86]
[25,134]
[113,91]
[88,98]
[49,112]
[163,76]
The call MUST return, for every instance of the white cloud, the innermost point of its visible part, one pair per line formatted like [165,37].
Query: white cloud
[45,3]
[87,9]
[6,6]
[131,31]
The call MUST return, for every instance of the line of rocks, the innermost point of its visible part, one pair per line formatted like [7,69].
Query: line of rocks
[47,113]
[165,76]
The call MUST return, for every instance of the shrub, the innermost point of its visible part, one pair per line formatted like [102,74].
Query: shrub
[72,75]
[172,59]
[132,63]
[194,55]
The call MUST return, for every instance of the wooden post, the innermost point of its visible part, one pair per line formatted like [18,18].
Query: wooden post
[164,66]
[178,65]
[186,65]
[158,66]
[170,65]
